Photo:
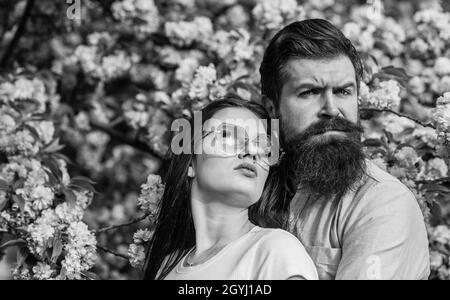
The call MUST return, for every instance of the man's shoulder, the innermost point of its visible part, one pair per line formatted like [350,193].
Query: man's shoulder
[382,189]
[377,175]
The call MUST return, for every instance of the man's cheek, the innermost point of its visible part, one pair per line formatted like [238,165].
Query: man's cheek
[349,113]
[353,110]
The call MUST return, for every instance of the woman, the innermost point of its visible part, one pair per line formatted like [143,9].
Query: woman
[203,228]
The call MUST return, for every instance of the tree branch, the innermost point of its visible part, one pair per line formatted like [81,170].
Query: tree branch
[125,139]
[18,34]
[112,252]
[114,227]
[223,10]
[429,125]
[437,181]
[4,24]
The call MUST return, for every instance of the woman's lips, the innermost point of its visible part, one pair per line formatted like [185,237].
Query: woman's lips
[247,169]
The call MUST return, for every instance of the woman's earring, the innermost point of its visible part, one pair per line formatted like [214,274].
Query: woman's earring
[191,172]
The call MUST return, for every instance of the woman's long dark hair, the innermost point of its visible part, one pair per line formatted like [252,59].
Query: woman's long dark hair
[174,233]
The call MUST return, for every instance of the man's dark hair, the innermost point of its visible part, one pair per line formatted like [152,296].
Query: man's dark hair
[311,39]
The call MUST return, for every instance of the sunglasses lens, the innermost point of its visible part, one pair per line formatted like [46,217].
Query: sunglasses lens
[229,140]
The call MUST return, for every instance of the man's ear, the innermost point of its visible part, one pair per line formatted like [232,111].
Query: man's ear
[270,106]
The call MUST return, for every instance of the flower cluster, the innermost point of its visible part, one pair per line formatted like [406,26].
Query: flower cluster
[39,203]
[274,14]
[148,201]
[23,89]
[441,117]
[440,240]
[433,33]
[137,111]
[81,251]
[370,30]
[232,46]
[140,15]
[385,95]
[435,168]
[151,193]
[106,68]
[185,33]
[206,86]
[136,251]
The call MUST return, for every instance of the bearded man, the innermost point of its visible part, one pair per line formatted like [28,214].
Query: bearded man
[355,220]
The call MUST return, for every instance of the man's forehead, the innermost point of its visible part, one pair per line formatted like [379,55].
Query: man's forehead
[335,70]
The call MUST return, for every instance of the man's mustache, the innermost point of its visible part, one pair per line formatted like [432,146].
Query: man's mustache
[325,125]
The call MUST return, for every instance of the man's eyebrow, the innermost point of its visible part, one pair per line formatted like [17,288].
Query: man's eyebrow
[312,85]
[346,85]
[308,85]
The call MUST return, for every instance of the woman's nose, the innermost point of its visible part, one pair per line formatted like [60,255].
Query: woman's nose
[250,150]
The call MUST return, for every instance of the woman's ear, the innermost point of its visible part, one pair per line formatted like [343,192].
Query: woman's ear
[191,172]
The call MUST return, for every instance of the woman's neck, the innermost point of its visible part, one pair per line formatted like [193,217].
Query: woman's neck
[217,224]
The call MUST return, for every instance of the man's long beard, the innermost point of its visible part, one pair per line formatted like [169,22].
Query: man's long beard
[327,166]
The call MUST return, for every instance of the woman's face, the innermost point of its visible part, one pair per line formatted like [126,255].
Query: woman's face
[238,178]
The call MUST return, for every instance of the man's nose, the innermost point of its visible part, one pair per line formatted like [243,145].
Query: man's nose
[329,109]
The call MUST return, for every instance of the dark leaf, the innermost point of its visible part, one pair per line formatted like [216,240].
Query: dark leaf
[435,188]
[38,117]
[70,196]
[381,151]
[18,184]
[22,255]
[3,203]
[246,76]
[82,183]
[62,157]
[53,166]
[404,145]
[3,185]
[84,179]
[90,275]
[82,186]
[391,72]
[390,136]
[54,147]
[48,253]
[33,131]
[398,72]
[373,143]
[52,178]
[19,201]
[57,248]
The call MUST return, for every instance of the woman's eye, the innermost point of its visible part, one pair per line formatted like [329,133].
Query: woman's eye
[226,133]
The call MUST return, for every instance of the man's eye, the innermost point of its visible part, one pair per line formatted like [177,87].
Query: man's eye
[344,92]
[309,93]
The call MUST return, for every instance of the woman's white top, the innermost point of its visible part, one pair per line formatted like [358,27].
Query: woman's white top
[260,254]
